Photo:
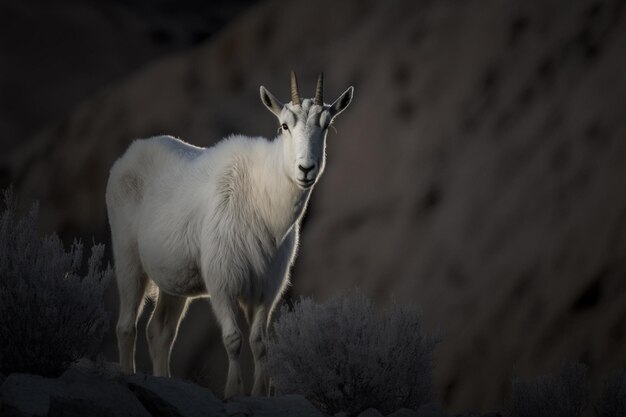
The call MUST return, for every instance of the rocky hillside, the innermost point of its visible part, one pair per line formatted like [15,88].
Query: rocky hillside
[56,54]
[479,171]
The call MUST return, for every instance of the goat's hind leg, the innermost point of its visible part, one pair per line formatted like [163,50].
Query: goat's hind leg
[131,284]
[162,330]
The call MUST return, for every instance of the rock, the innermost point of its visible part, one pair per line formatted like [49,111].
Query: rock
[403,412]
[284,406]
[173,397]
[341,414]
[78,407]
[234,409]
[431,410]
[474,413]
[7,410]
[469,413]
[85,370]
[31,395]
[80,392]
[371,412]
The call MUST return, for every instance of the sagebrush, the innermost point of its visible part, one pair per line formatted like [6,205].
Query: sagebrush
[612,402]
[345,355]
[564,395]
[50,315]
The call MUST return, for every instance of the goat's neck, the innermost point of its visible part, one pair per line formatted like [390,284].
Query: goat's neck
[286,201]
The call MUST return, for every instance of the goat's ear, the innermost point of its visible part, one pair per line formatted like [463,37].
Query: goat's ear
[342,102]
[271,102]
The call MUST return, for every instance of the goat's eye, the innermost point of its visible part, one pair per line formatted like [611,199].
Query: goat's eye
[284,126]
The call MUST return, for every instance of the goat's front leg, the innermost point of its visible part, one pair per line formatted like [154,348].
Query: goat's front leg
[232,337]
[259,352]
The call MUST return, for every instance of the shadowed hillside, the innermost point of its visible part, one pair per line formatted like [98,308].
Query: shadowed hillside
[55,54]
[479,171]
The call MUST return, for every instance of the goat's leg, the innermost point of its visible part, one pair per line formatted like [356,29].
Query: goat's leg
[257,345]
[131,283]
[224,309]
[162,329]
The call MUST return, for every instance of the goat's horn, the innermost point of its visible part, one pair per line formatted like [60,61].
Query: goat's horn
[319,90]
[295,97]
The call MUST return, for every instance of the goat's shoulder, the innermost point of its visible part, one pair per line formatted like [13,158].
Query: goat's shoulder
[238,148]
[236,153]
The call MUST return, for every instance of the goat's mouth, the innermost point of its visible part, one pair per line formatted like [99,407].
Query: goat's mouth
[306,183]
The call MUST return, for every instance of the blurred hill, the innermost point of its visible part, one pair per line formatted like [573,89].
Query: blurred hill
[55,54]
[479,171]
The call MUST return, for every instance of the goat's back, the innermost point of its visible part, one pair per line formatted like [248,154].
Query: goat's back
[145,163]
[142,171]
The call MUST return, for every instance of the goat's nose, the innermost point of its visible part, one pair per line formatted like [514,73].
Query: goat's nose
[306,170]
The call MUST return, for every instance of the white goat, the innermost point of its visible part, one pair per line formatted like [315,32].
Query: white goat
[220,222]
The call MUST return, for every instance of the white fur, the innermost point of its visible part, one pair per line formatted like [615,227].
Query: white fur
[220,222]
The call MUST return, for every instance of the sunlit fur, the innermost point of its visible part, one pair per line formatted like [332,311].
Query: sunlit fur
[220,222]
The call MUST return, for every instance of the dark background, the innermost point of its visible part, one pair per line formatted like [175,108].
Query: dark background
[480,171]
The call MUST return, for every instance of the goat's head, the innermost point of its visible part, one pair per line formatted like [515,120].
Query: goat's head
[303,127]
